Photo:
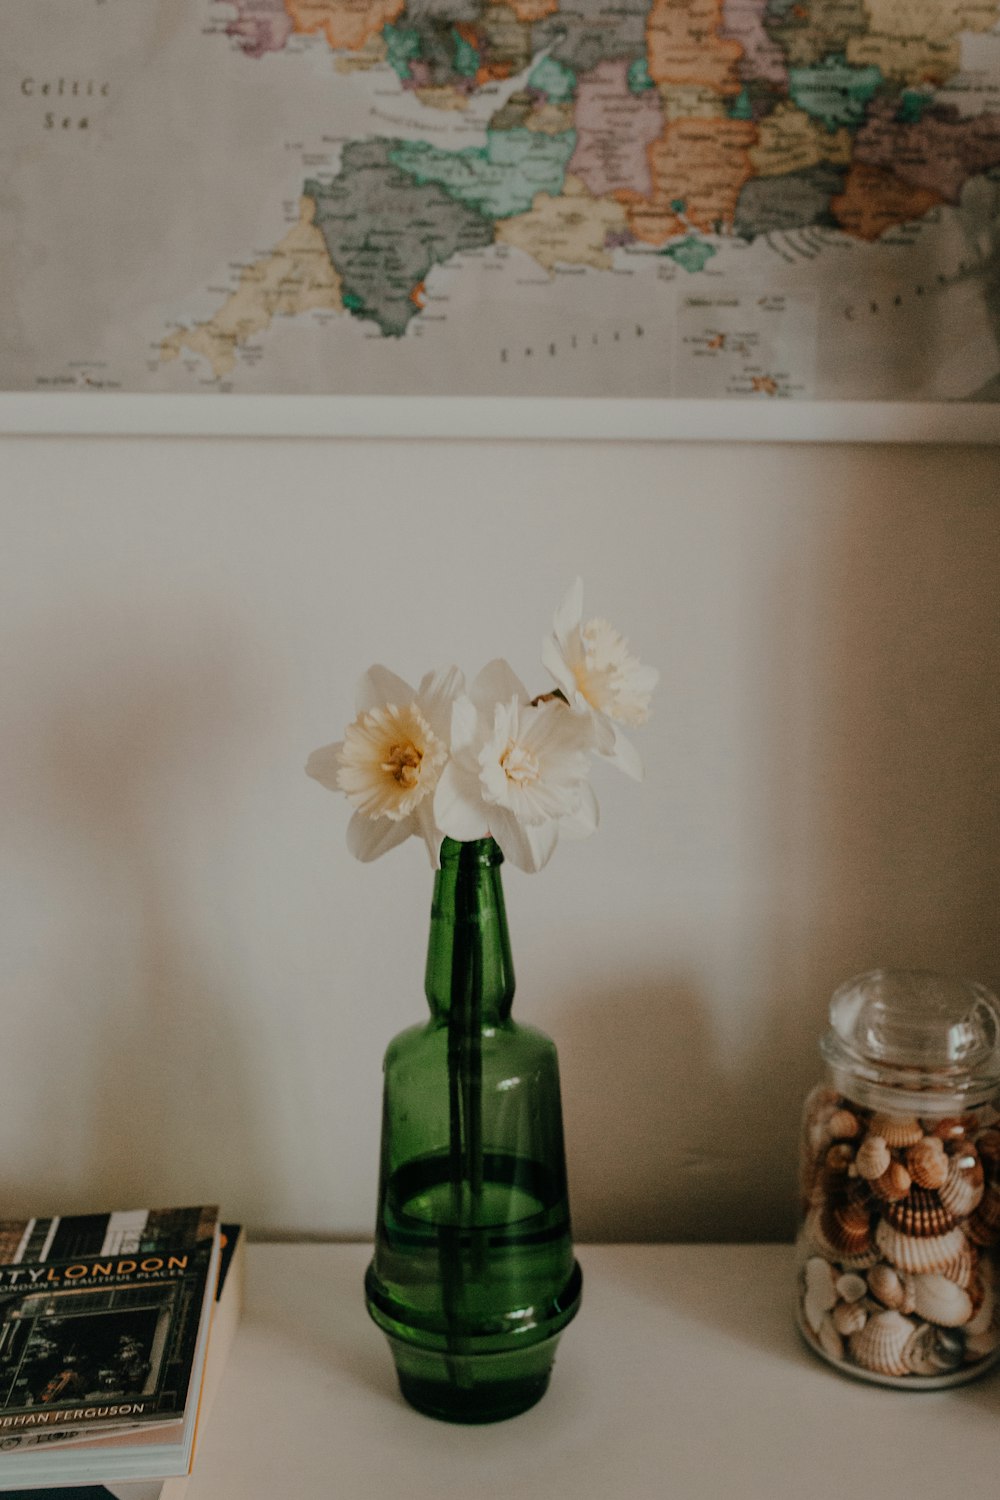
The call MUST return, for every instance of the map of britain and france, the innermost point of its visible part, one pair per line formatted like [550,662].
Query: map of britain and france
[660,133]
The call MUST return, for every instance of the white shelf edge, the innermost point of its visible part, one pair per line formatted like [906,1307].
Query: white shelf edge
[468,417]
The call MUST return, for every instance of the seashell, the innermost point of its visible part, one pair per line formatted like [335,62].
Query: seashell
[938,1300]
[861,1261]
[988,1148]
[983,1329]
[963,1269]
[811,1179]
[983,1224]
[927,1162]
[920,1255]
[982,1318]
[885,1283]
[831,1174]
[818,1173]
[920,1214]
[881,1345]
[829,1339]
[988,1210]
[894,1183]
[847,1227]
[963,1188]
[821,1280]
[979,1345]
[974,1284]
[873,1158]
[858,1191]
[897,1130]
[820,1291]
[952,1128]
[838,1159]
[980,1231]
[849,1317]
[843,1125]
[814,1236]
[935,1351]
[851,1287]
[822,1102]
[820,1106]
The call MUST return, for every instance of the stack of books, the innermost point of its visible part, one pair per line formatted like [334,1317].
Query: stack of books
[114,1330]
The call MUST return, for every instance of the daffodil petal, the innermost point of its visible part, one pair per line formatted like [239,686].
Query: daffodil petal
[527,847]
[427,827]
[323,765]
[625,756]
[512,839]
[542,839]
[570,612]
[465,727]
[555,727]
[492,779]
[605,734]
[378,687]
[582,823]
[367,838]
[458,806]
[555,664]
[434,697]
[497,683]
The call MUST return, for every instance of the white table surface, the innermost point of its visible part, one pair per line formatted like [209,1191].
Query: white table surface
[682,1376]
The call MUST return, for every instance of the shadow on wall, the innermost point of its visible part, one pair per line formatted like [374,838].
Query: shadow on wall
[878,845]
[130,768]
[907,760]
[666,1141]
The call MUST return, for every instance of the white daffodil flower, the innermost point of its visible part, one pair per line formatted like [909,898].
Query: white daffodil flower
[390,760]
[518,770]
[599,676]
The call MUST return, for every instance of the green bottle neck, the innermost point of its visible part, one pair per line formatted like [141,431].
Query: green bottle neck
[469,965]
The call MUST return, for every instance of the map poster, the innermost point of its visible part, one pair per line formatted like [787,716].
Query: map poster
[747,203]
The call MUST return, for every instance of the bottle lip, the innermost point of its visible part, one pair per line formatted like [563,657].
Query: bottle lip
[914,1039]
[481,851]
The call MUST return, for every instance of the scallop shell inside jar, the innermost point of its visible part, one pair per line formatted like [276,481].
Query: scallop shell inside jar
[901,1152]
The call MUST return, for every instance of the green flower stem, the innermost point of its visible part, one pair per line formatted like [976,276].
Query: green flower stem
[465,1048]
[465,1087]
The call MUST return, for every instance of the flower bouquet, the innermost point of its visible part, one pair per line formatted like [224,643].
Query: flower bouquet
[473,1276]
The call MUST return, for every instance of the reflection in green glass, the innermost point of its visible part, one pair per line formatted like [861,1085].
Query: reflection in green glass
[473,1277]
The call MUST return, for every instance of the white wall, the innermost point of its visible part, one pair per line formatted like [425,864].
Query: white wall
[199,980]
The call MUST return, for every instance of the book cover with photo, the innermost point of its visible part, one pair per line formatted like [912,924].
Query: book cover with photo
[103,1327]
[228,1306]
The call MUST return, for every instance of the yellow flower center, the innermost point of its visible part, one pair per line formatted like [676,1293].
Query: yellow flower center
[390,761]
[519,765]
[402,762]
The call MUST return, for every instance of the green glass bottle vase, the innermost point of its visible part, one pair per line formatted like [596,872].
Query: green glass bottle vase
[473,1278]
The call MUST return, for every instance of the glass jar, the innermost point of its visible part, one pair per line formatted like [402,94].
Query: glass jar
[897,1254]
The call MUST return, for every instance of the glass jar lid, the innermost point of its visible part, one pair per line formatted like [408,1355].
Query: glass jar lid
[915,1040]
